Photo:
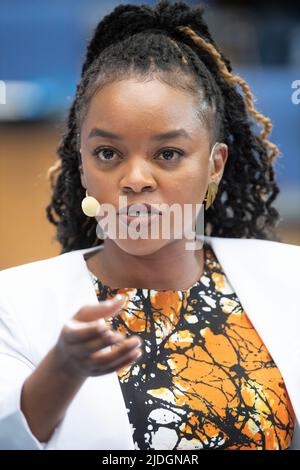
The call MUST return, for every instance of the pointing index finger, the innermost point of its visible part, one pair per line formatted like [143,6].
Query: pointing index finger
[105,308]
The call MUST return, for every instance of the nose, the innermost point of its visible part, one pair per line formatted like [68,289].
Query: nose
[137,178]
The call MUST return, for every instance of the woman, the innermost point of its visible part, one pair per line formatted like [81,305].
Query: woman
[197,354]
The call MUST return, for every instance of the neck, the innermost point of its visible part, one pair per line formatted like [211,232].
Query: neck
[172,267]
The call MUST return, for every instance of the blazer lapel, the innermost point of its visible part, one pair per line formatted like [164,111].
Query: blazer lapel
[265,277]
[96,418]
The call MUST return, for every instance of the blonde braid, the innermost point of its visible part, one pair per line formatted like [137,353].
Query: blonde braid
[264,121]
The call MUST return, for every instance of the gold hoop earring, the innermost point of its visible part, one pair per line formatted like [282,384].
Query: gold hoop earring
[211,194]
[90,206]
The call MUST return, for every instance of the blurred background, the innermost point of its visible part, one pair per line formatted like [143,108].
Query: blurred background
[42,46]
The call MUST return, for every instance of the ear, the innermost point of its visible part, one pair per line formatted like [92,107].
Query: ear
[218,162]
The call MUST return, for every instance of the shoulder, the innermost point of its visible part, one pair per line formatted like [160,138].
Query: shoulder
[37,297]
[42,270]
[250,245]
[36,285]
[263,260]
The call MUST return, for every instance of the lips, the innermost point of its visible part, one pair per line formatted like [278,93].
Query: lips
[141,208]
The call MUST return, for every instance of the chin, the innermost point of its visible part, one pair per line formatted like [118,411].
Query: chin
[141,247]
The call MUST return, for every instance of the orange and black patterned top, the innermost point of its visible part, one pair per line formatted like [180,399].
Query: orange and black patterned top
[205,379]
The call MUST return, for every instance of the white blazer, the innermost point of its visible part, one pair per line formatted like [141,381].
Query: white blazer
[37,298]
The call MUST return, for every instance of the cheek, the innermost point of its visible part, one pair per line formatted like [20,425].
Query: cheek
[97,182]
[190,184]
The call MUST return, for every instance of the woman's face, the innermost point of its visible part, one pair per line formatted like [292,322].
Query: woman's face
[139,164]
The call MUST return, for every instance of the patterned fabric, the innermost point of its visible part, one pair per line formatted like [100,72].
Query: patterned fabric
[205,379]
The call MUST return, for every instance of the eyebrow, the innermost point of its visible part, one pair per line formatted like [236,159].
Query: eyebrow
[96,132]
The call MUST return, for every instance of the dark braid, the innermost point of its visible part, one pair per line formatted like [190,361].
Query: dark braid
[171,42]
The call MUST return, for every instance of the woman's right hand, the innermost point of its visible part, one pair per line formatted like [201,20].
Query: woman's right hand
[79,345]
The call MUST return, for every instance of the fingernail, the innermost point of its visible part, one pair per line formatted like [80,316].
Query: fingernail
[136,341]
[120,298]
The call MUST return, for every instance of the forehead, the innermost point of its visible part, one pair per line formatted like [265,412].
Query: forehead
[132,105]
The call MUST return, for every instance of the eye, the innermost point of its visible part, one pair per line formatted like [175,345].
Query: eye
[107,156]
[168,153]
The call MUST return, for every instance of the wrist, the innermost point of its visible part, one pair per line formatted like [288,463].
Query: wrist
[63,369]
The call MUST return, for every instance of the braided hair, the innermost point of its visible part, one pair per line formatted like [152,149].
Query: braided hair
[172,42]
